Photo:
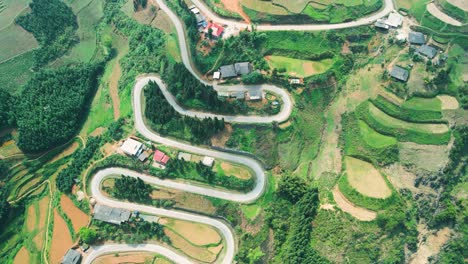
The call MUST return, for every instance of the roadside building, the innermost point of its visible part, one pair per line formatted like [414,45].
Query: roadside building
[160,158]
[228,71]
[380,23]
[194,9]
[416,38]
[255,94]
[184,156]
[216,30]
[132,147]
[201,21]
[399,73]
[243,68]
[208,161]
[428,51]
[394,20]
[240,95]
[72,257]
[217,75]
[111,215]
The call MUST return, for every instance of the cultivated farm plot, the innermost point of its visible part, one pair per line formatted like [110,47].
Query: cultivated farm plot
[229,169]
[374,138]
[344,204]
[61,239]
[366,179]
[195,233]
[78,218]
[299,68]
[22,256]
[393,123]
[264,6]
[428,104]
[10,9]
[16,72]
[131,257]
[448,102]
[14,40]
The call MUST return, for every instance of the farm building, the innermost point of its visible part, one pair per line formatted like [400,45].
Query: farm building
[160,157]
[427,51]
[216,30]
[399,73]
[381,24]
[184,156]
[216,75]
[256,94]
[243,68]
[208,161]
[71,257]
[416,38]
[394,20]
[111,215]
[240,68]
[228,71]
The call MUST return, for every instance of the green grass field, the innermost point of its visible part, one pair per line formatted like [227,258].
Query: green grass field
[300,68]
[424,104]
[374,138]
[14,40]
[308,43]
[418,110]
[16,72]
[12,9]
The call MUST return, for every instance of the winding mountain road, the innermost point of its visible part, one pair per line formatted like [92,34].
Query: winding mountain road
[226,232]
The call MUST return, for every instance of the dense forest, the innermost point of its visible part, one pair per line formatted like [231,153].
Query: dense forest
[134,232]
[6,113]
[81,158]
[53,104]
[131,189]
[167,121]
[4,205]
[53,24]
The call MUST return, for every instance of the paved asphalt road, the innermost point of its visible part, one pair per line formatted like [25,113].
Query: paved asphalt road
[226,232]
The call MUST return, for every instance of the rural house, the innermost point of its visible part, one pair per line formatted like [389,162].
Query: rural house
[240,68]
[132,147]
[427,51]
[416,38]
[256,94]
[216,30]
[160,158]
[381,24]
[208,161]
[394,20]
[71,257]
[184,156]
[399,73]
[111,215]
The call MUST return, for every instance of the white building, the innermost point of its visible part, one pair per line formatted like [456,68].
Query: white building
[208,161]
[217,75]
[132,147]
[394,20]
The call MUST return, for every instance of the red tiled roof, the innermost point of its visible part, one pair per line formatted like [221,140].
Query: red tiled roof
[217,29]
[160,157]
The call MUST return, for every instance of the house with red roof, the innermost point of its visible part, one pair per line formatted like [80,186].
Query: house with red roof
[216,30]
[160,158]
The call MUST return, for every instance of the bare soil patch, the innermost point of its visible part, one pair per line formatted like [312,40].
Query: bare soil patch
[22,256]
[43,208]
[448,102]
[198,253]
[162,21]
[235,6]
[235,170]
[367,180]
[61,239]
[134,257]
[403,179]
[196,233]
[431,246]
[430,158]
[435,11]
[31,218]
[327,206]
[97,132]
[462,4]
[220,139]
[348,207]
[79,218]
[66,152]
[114,88]
[184,200]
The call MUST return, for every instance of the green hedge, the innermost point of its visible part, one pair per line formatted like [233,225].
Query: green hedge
[361,200]
[401,134]
[406,114]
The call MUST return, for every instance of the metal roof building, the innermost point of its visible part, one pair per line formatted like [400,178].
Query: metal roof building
[399,73]
[228,71]
[111,215]
[416,38]
[132,147]
[71,257]
[381,24]
[243,68]
[427,51]
[394,20]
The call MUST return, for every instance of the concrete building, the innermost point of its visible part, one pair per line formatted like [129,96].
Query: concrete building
[208,161]
[416,38]
[72,257]
[132,147]
[184,156]
[111,215]
[394,20]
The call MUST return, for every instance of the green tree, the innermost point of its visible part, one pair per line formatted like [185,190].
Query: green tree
[87,235]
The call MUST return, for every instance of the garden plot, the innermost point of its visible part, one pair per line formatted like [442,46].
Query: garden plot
[22,256]
[228,169]
[374,138]
[131,257]
[78,218]
[348,207]
[11,9]
[195,233]
[297,67]
[61,239]
[367,180]
[14,41]
[462,4]
[435,11]
[448,102]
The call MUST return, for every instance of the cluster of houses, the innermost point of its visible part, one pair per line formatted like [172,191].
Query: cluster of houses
[215,30]
[135,149]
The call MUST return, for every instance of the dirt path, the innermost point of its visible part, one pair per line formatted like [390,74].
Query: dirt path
[430,246]
[348,207]
[435,11]
[235,6]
